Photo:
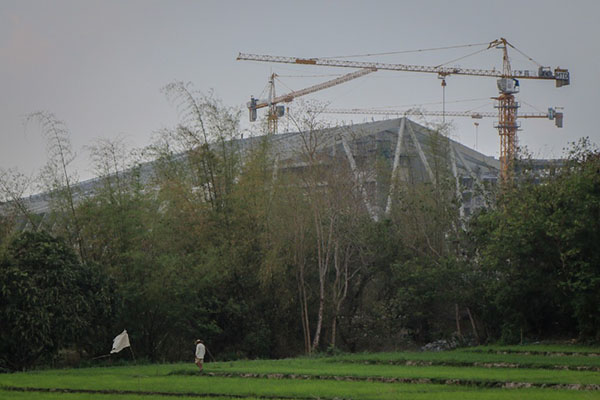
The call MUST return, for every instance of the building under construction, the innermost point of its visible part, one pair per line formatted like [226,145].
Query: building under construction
[382,155]
[386,154]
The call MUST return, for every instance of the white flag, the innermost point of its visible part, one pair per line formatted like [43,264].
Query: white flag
[120,342]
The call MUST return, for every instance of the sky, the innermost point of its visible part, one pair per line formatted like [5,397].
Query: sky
[99,66]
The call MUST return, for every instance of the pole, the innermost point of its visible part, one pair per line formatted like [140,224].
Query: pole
[211,356]
[444,101]
[133,355]
[135,363]
[104,356]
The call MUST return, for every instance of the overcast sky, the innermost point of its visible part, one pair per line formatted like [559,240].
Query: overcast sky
[100,65]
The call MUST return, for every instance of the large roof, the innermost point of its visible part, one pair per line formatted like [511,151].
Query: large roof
[380,136]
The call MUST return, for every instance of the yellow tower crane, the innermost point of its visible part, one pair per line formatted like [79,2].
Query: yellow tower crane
[552,114]
[507,81]
[275,111]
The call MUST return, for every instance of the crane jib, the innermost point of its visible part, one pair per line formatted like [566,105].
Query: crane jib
[560,75]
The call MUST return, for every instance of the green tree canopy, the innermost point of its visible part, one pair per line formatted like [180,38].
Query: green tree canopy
[538,250]
[48,300]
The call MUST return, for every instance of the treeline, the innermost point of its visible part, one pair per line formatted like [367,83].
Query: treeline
[224,242]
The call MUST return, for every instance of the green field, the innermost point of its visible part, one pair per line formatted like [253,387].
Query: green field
[547,372]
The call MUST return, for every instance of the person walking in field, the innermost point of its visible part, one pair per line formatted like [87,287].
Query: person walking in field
[200,350]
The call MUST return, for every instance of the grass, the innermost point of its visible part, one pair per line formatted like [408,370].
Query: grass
[541,348]
[325,368]
[470,357]
[184,381]
[322,389]
[12,395]
[345,390]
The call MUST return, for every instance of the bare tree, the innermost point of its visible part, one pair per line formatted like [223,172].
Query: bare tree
[56,178]
[206,137]
[335,197]
[13,186]
[114,164]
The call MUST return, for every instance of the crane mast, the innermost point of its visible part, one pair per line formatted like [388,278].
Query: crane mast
[507,82]
[507,108]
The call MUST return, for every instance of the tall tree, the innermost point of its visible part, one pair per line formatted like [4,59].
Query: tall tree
[57,178]
[205,137]
[328,207]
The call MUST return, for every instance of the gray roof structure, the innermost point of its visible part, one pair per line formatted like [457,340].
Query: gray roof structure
[407,146]
[409,150]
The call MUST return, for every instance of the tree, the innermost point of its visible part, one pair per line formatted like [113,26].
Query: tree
[205,138]
[537,250]
[323,204]
[58,181]
[574,225]
[290,247]
[13,186]
[426,220]
[112,217]
[48,300]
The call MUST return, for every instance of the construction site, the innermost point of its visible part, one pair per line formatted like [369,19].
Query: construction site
[299,200]
[508,84]
[404,145]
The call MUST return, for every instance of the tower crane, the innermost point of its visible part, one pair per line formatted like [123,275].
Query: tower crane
[552,114]
[275,111]
[507,82]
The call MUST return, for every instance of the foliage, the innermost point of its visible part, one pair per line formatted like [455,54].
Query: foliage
[48,300]
[538,254]
[58,180]
[13,187]
[222,238]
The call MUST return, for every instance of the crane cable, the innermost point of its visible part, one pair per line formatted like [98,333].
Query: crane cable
[532,106]
[406,51]
[283,84]
[436,102]
[525,55]
[260,96]
[463,57]
[481,106]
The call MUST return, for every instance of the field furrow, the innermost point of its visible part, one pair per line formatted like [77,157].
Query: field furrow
[465,374]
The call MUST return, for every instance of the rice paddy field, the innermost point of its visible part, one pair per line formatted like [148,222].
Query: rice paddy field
[491,372]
